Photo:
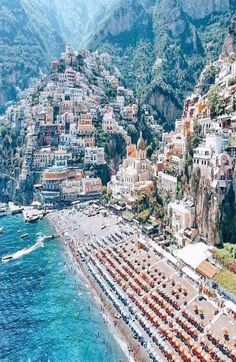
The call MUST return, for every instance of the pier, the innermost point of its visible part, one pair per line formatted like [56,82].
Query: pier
[31,215]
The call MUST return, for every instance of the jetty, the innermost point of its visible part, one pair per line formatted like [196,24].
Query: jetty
[32,215]
[14,209]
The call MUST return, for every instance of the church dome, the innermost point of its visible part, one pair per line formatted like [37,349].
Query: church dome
[141,143]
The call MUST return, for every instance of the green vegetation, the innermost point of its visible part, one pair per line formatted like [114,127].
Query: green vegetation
[162,49]
[9,158]
[228,219]
[232,81]
[128,215]
[227,280]
[143,216]
[27,44]
[215,101]
[115,146]
[226,257]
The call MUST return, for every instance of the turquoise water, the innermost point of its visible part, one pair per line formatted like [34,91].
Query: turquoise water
[46,312]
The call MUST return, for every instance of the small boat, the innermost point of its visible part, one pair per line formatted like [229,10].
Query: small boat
[22,252]
[50,237]
[23,236]
[19,231]
[1,230]
[7,258]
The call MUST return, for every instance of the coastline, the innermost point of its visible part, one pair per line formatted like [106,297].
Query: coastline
[132,350]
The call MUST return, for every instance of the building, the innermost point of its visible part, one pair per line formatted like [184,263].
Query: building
[91,189]
[62,157]
[43,158]
[182,214]
[94,155]
[134,174]
[109,123]
[70,190]
[53,177]
[202,158]
[166,183]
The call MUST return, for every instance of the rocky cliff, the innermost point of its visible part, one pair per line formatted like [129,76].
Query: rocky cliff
[180,35]
[230,42]
[208,208]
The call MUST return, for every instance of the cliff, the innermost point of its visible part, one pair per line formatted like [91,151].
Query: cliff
[230,42]
[181,37]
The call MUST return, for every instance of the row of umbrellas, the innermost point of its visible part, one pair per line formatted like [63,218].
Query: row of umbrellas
[193,320]
[221,344]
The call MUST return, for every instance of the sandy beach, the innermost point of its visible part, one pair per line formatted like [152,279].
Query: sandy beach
[133,351]
[156,311]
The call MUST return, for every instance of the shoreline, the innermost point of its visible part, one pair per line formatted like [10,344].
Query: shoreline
[131,349]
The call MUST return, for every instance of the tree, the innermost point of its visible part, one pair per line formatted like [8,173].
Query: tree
[215,101]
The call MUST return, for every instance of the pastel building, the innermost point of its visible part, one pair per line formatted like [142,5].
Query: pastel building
[43,158]
[134,173]
[182,216]
[166,183]
[94,155]
[109,123]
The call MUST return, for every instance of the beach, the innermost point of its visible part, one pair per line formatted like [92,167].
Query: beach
[132,350]
[157,311]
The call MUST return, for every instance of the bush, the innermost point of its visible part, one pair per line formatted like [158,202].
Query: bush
[143,216]
[227,280]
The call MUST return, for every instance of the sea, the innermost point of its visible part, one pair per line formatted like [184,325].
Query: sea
[47,312]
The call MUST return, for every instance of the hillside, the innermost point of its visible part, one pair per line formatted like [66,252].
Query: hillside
[162,46]
[32,33]
[27,43]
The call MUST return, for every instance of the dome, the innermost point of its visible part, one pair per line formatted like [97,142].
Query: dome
[141,143]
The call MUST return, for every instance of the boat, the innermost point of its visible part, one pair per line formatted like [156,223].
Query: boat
[1,230]
[22,252]
[23,236]
[50,237]
[7,258]
[19,231]
[34,218]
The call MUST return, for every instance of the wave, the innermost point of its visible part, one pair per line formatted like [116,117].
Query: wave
[25,251]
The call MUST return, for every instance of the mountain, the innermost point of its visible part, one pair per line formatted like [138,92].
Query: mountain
[28,42]
[34,32]
[161,46]
[73,17]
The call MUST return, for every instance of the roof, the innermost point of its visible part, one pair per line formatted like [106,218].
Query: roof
[191,274]
[141,143]
[194,254]
[207,269]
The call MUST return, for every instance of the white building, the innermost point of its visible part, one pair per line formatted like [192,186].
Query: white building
[166,183]
[43,158]
[182,217]
[202,158]
[94,155]
[109,123]
[62,157]
[133,176]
